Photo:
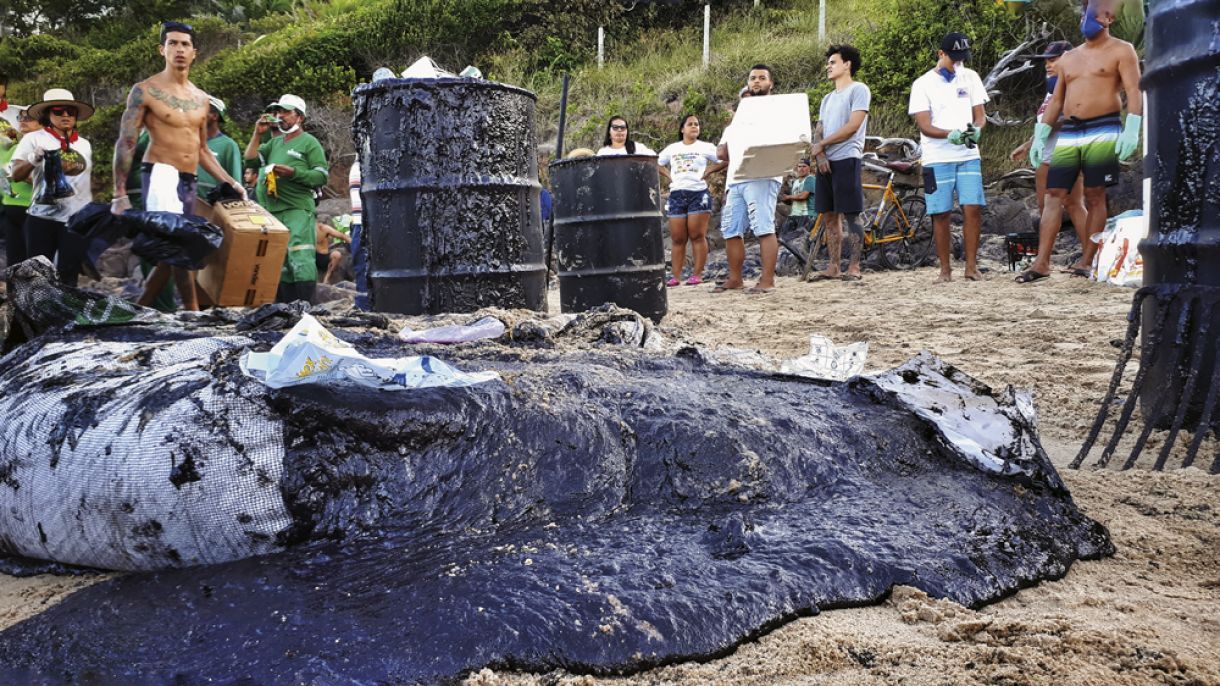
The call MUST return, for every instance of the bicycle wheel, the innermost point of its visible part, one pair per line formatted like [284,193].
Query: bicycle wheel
[906,245]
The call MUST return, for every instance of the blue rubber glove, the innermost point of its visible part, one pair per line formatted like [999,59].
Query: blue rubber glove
[956,137]
[1129,139]
[1041,133]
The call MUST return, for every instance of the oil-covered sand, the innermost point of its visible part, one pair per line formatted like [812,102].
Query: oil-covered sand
[1147,615]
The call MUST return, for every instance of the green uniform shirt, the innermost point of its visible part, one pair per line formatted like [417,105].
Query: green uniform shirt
[23,191]
[304,154]
[293,203]
[801,208]
[228,155]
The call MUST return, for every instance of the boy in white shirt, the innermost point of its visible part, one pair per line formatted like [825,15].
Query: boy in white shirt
[947,103]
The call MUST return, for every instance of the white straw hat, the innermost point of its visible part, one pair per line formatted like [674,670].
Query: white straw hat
[59,97]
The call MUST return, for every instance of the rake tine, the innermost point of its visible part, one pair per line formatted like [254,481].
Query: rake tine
[1152,338]
[1215,465]
[1209,408]
[1175,359]
[1124,357]
[1192,380]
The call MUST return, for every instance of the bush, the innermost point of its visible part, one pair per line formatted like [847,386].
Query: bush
[904,44]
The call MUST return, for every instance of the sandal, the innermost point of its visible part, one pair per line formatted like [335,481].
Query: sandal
[694,281]
[672,282]
[1030,276]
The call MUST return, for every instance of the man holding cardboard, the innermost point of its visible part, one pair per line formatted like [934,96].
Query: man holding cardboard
[174,112]
[749,202]
[290,167]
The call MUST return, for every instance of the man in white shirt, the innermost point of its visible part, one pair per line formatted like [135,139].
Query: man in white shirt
[947,103]
[748,203]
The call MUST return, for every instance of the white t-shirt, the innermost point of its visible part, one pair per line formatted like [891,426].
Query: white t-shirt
[640,149]
[737,149]
[687,163]
[952,106]
[29,150]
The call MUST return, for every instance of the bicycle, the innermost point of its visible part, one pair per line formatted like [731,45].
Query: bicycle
[900,229]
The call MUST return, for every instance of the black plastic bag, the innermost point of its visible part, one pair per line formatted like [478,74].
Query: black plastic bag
[99,228]
[179,240]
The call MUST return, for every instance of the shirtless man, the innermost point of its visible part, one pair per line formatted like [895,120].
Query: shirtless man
[1093,139]
[175,113]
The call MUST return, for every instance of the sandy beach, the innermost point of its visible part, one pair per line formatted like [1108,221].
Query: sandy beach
[1150,614]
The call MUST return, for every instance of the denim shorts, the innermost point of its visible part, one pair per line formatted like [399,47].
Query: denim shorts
[682,203]
[749,205]
[941,180]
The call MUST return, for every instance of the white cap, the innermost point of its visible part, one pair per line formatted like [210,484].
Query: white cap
[218,104]
[288,101]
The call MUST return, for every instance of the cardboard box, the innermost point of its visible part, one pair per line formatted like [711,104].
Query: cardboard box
[245,271]
[770,134]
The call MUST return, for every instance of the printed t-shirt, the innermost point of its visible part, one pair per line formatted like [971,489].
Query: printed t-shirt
[951,104]
[29,150]
[687,163]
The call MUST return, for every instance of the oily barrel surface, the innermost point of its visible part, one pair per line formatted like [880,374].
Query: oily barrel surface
[1182,83]
[450,194]
[608,241]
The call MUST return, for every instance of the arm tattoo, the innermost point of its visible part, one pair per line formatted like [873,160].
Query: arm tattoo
[129,131]
[182,104]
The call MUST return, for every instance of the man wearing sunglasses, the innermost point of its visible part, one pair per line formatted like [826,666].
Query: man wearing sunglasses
[175,114]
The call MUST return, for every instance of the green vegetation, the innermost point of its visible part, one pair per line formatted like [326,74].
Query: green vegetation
[252,51]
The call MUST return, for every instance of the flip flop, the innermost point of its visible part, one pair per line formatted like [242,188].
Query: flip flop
[851,277]
[1080,273]
[1030,276]
[822,276]
[720,288]
[755,290]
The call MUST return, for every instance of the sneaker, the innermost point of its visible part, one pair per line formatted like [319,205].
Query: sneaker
[694,281]
[672,282]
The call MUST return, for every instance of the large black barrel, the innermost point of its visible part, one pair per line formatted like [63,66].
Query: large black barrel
[608,241]
[1182,81]
[450,194]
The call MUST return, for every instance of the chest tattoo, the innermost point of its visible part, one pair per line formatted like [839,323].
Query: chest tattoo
[183,104]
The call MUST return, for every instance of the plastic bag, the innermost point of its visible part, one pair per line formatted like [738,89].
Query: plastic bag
[180,240]
[311,354]
[828,361]
[1118,260]
[487,327]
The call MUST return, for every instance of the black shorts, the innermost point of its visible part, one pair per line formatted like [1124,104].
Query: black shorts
[321,260]
[840,190]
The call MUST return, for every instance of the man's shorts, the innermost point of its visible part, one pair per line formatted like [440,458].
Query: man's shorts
[157,183]
[840,190]
[683,203]
[749,204]
[943,179]
[1086,145]
[321,260]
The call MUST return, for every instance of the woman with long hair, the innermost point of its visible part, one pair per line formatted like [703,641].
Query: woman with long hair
[46,223]
[690,161]
[618,141]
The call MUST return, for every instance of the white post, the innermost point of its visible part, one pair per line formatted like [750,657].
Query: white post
[601,46]
[707,33]
[821,20]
